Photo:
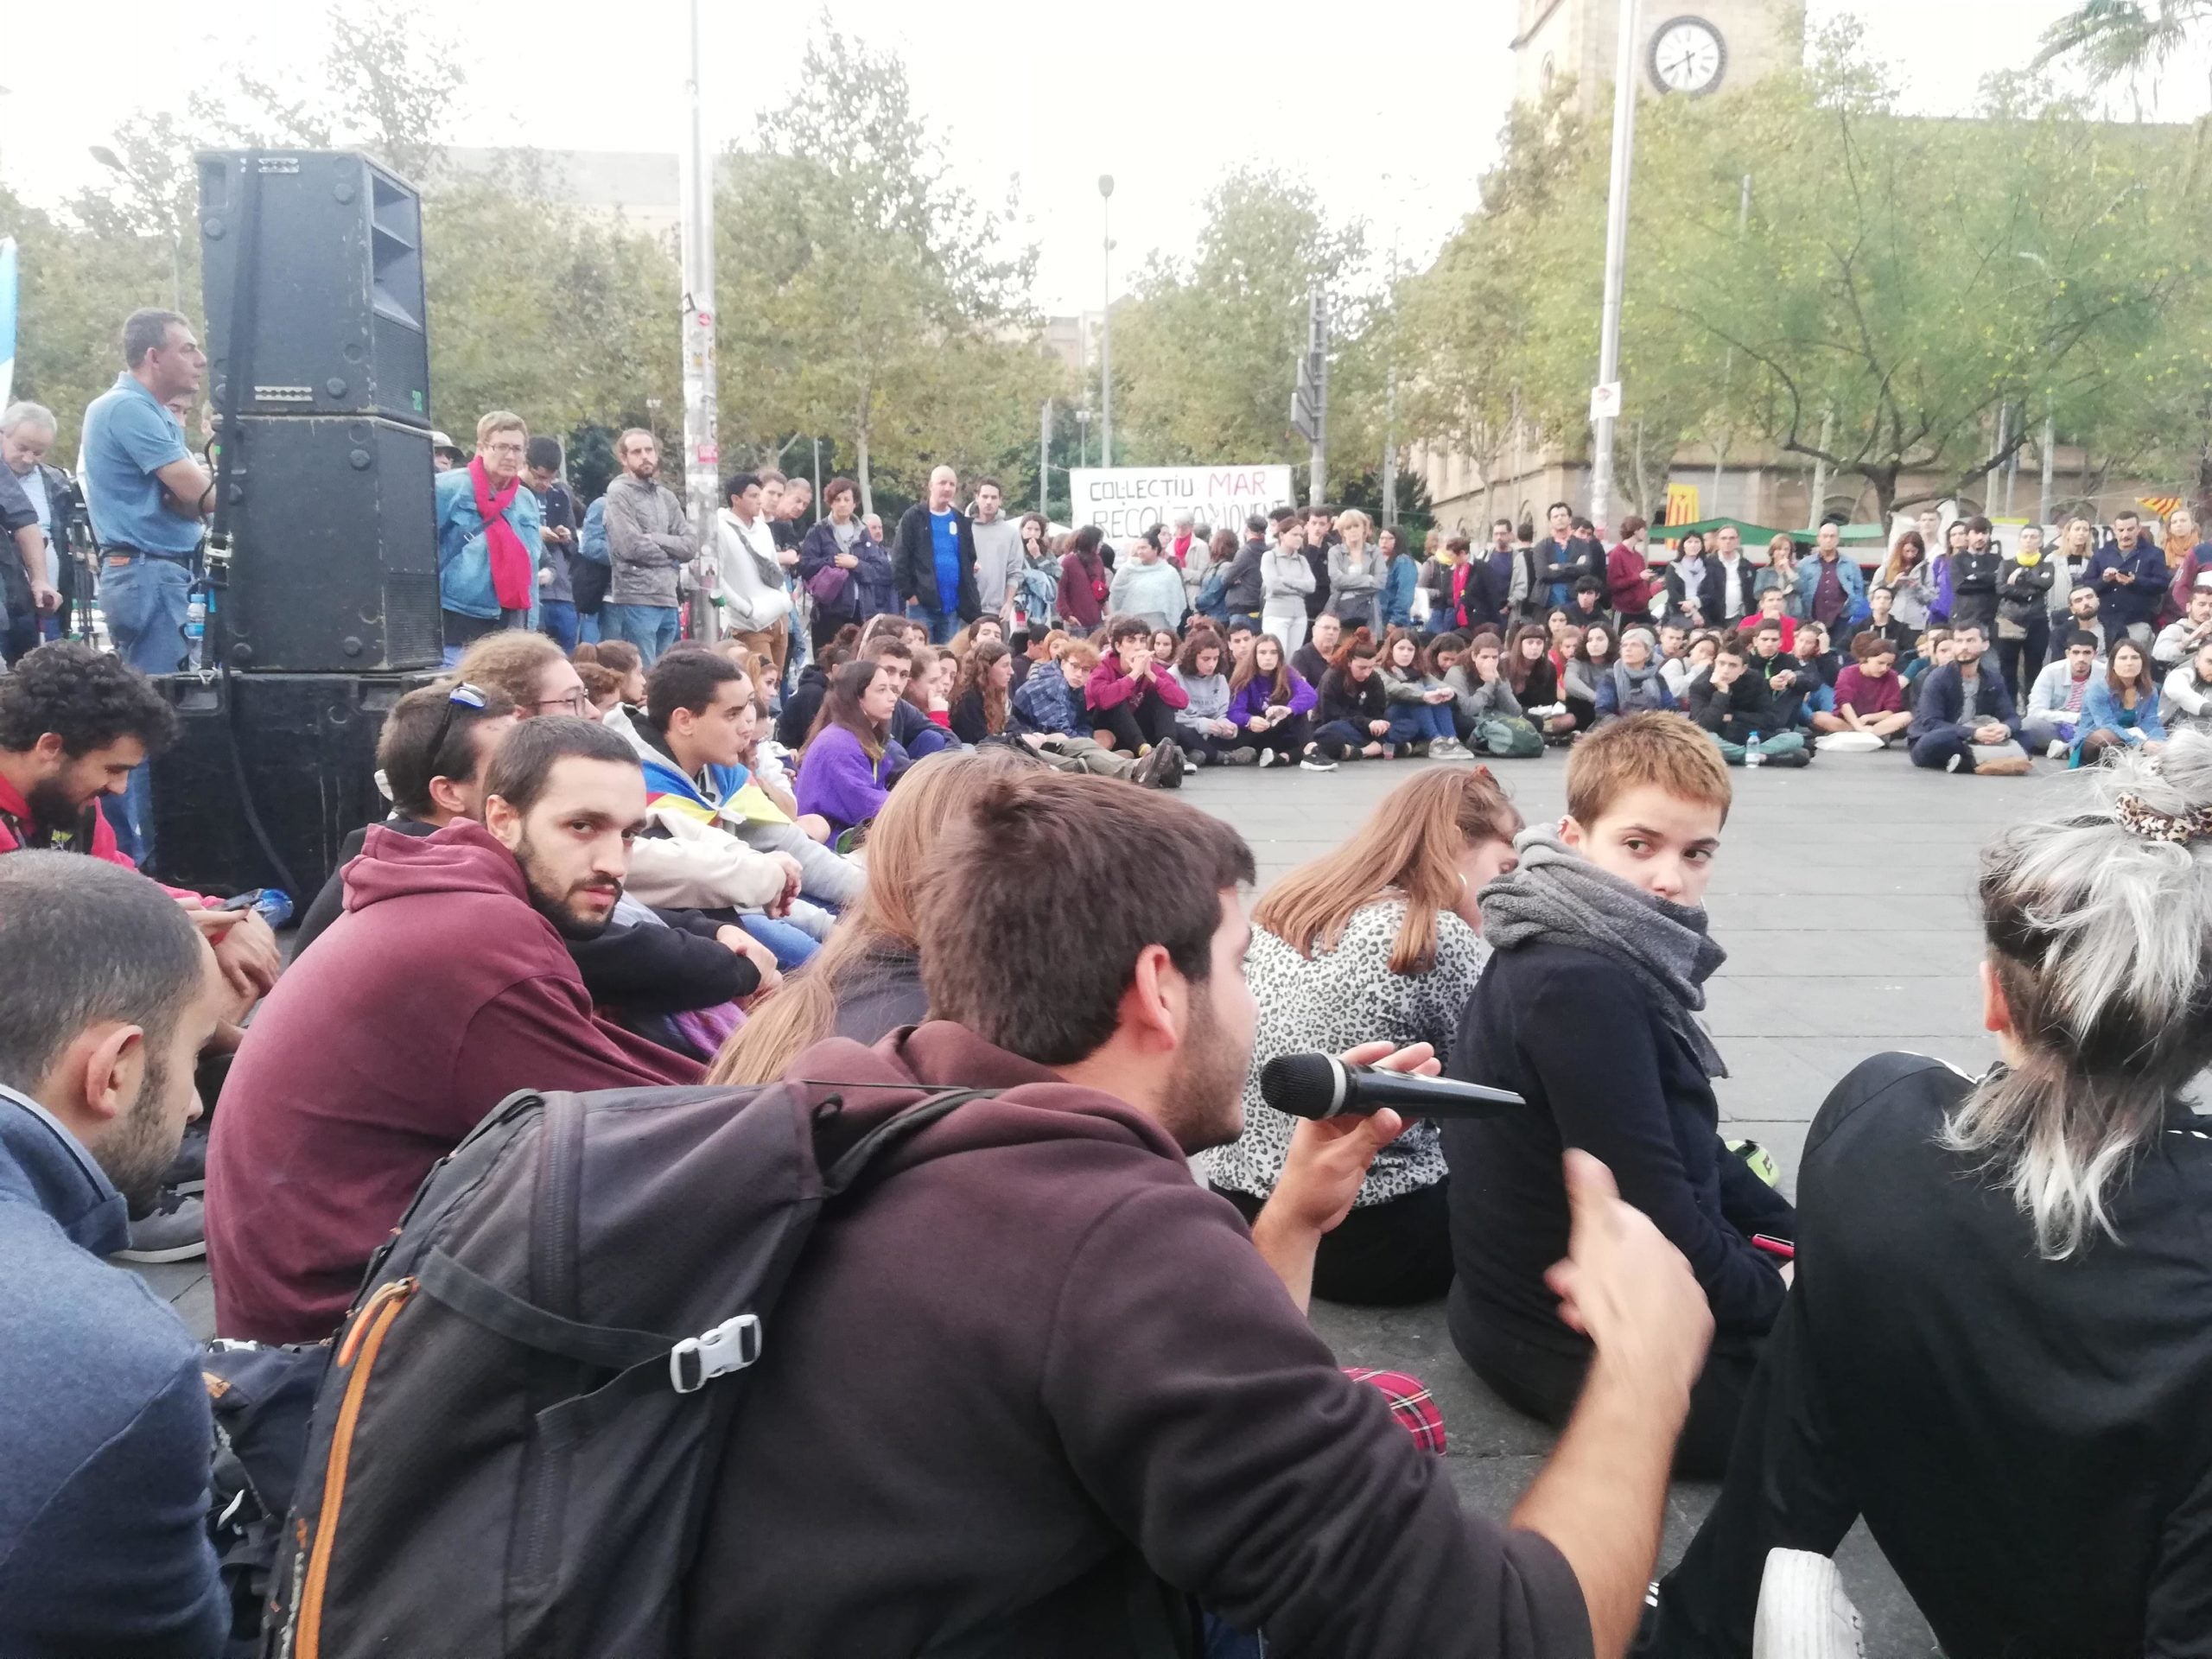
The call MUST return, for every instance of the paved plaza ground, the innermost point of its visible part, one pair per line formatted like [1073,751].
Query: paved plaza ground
[1843,896]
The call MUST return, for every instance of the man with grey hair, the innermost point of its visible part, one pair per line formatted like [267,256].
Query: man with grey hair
[146,494]
[32,582]
[933,558]
[650,539]
[102,1540]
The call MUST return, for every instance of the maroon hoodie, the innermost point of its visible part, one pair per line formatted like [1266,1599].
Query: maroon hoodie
[440,992]
[1036,1351]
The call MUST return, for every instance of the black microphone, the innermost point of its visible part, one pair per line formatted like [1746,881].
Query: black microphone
[1322,1085]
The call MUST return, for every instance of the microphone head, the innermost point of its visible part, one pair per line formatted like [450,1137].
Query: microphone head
[1304,1085]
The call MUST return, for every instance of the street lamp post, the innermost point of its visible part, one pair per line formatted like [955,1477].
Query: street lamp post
[1609,336]
[702,453]
[108,159]
[1106,324]
[1083,436]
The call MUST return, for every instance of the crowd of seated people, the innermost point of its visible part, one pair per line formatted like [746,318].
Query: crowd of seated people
[602,872]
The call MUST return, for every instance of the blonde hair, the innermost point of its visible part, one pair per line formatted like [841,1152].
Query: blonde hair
[933,797]
[1351,516]
[513,660]
[501,420]
[1410,847]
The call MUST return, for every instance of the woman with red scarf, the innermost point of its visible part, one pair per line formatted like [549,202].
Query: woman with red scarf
[488,532]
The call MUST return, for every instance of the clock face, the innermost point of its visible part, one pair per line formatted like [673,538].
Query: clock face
[1688,56]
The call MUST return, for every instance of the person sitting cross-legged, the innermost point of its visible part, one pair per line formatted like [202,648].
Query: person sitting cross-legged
[699,716]
[1203,729]
[1272,706]
[445,987]
[2060,696]
[1869,699]
[1379,938]
[2121,711]
[1588,1010]
[1132,697]
[1966,721]
[1419,703]
[1486,705]
[1732,702]
[1352,719]
[1634,681]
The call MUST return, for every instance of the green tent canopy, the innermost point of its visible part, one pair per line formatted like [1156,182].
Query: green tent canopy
[1755,536]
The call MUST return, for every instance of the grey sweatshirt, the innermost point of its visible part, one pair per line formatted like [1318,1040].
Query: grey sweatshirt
[999,560]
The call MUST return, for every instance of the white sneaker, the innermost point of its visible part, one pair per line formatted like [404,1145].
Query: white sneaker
[2059,749]
[1803,1613]
[1316,763]
[1268,758]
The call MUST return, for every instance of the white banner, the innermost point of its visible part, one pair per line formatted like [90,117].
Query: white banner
[1125,501]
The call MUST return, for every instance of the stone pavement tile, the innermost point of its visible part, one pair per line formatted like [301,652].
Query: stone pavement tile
[1850,952]
[1902,1002]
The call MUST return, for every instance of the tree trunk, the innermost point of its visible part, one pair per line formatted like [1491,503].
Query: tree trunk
[860,466]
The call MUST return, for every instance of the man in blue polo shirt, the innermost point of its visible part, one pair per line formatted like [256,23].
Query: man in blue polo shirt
[146,494]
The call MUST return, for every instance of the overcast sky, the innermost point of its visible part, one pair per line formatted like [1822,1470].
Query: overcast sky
[1166,95]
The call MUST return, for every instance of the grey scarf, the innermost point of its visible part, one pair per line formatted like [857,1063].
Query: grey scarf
[1559,897]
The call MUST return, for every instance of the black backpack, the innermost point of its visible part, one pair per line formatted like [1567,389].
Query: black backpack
[514,1444]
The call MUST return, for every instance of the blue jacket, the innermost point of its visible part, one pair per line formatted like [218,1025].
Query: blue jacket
[1854,591]
[592,543]
[1941,698]
[464,559]
[2128,603]
[2100,711]
[870,589]
[106,1435]
[1396,600]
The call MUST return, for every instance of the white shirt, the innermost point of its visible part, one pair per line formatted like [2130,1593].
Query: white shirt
[1731,586]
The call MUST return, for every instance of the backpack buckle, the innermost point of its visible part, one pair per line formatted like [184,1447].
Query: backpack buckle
[730,1346]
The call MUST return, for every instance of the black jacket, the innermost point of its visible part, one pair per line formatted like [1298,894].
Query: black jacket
[1973,586]
[1554,564]
[913,563]
[799,708]
[1341,700]
[1639,1100]
[2025,1438]
[1712,591]
[634,968]
[1744,708]
[1242,595]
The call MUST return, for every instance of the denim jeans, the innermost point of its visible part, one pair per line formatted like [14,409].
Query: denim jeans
[556,620]
[145,601]
[1420,723]
[941,627]
[791,945]
[650,628]
[587,627]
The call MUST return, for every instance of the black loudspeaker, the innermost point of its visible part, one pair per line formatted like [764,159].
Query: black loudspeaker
[333,564]
[305,748]
[312,269]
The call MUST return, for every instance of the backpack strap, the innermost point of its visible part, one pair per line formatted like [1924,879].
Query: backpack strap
[477,1299]
[892,1132]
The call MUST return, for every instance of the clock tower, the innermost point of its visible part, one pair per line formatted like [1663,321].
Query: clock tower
[1687,48]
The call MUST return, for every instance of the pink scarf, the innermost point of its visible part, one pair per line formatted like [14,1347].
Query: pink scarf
[510,559]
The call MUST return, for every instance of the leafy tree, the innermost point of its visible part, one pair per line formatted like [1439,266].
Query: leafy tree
[861,292]
[2115,41]
[1206,353]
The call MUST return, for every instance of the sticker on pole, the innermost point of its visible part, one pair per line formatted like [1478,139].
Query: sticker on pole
[1605,401]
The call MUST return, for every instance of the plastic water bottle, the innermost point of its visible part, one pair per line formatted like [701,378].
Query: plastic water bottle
[1753,754]
[195,630]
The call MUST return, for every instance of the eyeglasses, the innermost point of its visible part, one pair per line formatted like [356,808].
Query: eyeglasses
[463,696]
[576,703]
